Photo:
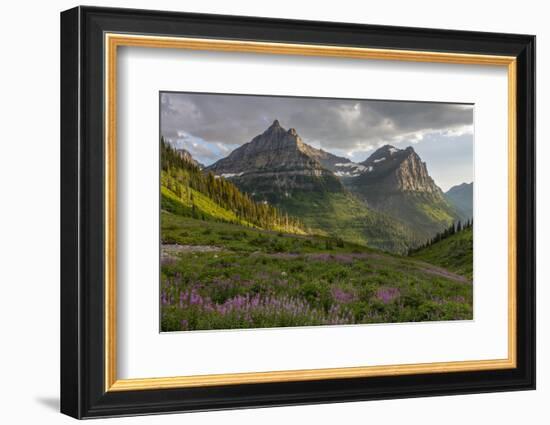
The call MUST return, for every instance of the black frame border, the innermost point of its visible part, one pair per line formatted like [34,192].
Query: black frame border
[82,212]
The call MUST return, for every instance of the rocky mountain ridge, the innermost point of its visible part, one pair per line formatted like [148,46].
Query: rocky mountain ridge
[390,169]
[278,152]
[276,149]
[274,164]
[278,167]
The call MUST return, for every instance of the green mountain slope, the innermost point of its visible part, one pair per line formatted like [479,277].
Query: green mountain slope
[186,190]
[396,182]
[453,253]
[462,197]
[342,215]
[191,203]
[424,213]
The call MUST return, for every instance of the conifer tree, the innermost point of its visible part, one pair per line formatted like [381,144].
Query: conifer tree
[182,177]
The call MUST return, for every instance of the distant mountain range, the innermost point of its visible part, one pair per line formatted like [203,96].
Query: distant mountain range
[462,196]
[388,201]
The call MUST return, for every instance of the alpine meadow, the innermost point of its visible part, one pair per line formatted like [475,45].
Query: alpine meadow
[291,211]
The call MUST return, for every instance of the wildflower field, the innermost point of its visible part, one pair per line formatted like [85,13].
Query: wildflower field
[218,275]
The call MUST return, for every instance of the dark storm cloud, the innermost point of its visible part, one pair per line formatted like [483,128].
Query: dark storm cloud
[345,125]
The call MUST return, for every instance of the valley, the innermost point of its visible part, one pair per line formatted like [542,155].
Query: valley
[279,233]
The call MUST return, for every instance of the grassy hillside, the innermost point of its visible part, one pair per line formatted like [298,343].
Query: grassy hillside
[453,253]
[344,215]
[218,275]
[194,204]
[193,232]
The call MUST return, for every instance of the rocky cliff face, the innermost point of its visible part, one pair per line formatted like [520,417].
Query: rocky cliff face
[340,166]
[276,149]
[397,170]
[397,183]
[186,156]
[275,164]
[326,159]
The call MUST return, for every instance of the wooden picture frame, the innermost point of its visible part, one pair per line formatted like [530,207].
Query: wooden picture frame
[90,38]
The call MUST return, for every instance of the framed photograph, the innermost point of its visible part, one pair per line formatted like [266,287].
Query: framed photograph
[261,212]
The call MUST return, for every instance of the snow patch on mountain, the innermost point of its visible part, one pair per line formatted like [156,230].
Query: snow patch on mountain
[229,175]
[350,169]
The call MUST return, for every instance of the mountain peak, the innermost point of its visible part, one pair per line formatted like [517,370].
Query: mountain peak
[275,164]
[389,150]
[383,153]
[276,149]
[399,169]
[274,131]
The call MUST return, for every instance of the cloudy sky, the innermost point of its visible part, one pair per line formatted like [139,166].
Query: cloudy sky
[210,126]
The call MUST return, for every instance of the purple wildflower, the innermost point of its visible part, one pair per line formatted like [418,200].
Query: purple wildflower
[341,296]
[387,295]
[256,308]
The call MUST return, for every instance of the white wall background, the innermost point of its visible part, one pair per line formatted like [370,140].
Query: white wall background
[29,217]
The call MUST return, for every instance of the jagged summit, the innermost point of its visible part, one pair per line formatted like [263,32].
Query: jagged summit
[275,148]
[389,148]
[274,127]
[393,169]
[387,151]
[278,145]
[274,131]
[276,161]
[396,182]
